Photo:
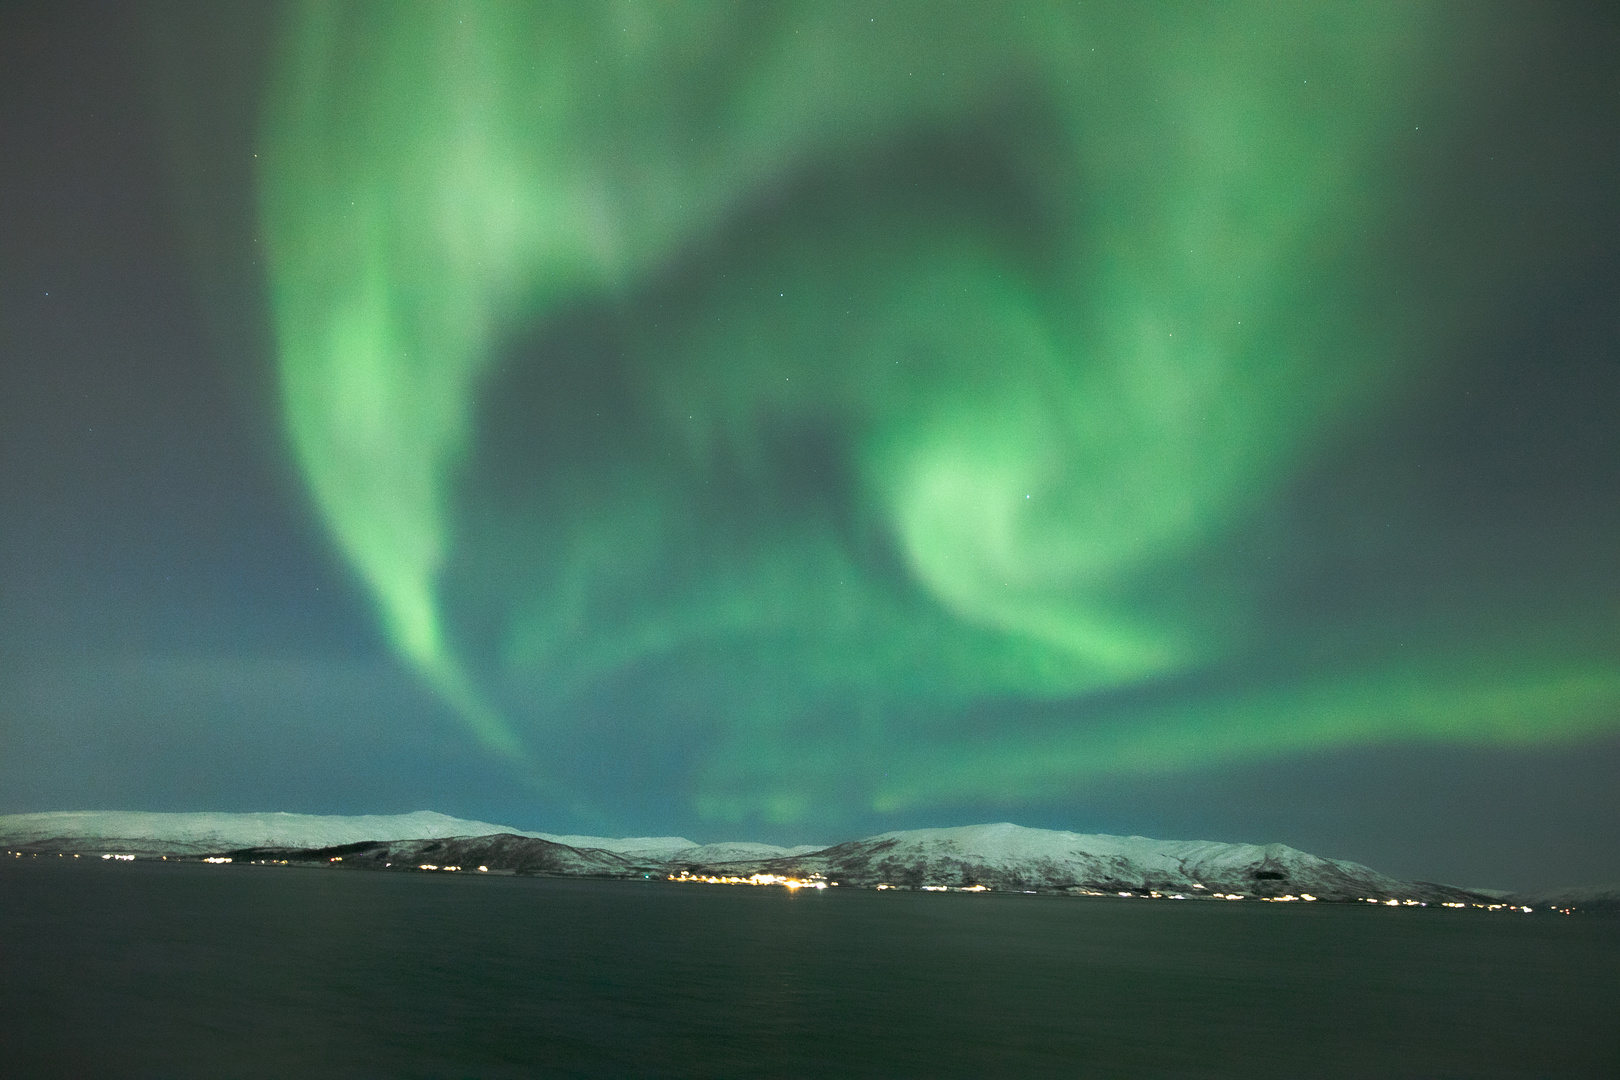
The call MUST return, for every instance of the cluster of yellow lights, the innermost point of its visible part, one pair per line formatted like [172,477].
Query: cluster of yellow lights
[1154,894]
[441,869]
[941,888]
[1449,904]
[815,881]
[217,859]
[120,858]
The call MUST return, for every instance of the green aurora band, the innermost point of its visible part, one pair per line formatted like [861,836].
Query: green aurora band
[858,396]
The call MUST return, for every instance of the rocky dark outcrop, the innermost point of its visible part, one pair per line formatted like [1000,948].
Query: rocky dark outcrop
[496,852]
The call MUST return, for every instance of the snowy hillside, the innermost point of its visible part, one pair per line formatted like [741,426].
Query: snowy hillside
[190,834]
[193,833]
[1590,898]
[1011,857]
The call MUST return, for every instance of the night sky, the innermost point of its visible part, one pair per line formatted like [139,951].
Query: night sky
[796,421]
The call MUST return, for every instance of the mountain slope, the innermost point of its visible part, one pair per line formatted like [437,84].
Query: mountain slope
[1591,899]
[193,834]
[1011,857]
[205,834]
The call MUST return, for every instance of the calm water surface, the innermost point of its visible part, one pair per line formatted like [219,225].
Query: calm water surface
[193,971]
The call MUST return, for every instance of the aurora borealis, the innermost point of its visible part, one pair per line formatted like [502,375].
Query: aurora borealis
[958,294]
[795,414]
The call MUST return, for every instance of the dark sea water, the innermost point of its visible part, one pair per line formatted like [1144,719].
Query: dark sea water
[194,971]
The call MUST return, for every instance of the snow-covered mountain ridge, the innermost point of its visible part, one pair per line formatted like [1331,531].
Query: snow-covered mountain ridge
[1011,857]
[182,834]
[1002,856]
[194,834]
